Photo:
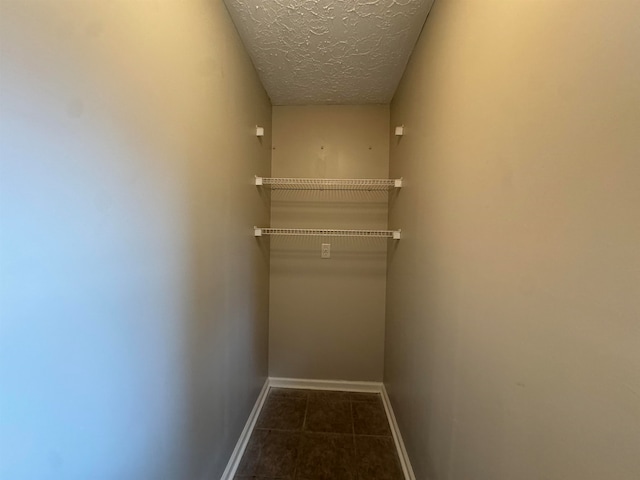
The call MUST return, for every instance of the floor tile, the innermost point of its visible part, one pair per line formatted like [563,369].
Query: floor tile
[329,417]
[283,413]
[254,477]
[309,435]
[271,454]
[328,396]
[377,459]
[364,397]
[326,456]
[279,454]
[258,477]
[251,457]
[288,392]
[370,418]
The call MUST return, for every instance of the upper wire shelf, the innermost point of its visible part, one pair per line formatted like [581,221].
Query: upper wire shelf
[327,232]
[329,183]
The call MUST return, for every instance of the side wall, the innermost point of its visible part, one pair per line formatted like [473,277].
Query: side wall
[327,315]
[133,296]
[513,301]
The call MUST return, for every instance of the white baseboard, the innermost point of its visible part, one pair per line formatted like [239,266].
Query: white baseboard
[236,456]
[397,437]
[310,384]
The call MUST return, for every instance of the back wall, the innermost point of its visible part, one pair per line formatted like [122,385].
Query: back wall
[327,315]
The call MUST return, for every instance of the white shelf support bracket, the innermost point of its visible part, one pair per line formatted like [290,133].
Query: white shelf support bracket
[398,182]
[399,130]
[257,232]
[258,180]
[397,234]
[259,131]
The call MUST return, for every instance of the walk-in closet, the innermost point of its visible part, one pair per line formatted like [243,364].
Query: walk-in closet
[319,240]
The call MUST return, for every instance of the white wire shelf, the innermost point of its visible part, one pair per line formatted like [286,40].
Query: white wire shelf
[327,232]
[329,183]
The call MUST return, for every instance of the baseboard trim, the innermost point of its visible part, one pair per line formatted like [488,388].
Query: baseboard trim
[312,384]
[238,451]
[397,437]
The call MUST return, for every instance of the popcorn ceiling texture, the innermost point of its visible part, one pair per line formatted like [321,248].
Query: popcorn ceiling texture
[329,51]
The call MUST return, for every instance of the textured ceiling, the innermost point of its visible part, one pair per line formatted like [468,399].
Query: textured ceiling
[329,51]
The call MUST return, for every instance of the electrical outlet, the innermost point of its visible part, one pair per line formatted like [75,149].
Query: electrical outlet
[326,250]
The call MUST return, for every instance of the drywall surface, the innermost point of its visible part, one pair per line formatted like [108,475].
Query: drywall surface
[513,302]
[329,51]
[327,315]
[133,296]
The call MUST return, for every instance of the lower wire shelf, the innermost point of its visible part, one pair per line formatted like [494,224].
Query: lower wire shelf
[327,232]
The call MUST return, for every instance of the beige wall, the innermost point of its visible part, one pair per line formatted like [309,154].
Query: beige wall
[513,301]
[327,315]
[133,296]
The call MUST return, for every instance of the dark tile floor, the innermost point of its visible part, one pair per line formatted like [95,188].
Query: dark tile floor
[319,435]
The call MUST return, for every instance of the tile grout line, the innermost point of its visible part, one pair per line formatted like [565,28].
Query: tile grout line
[353,439]
[254,432]
[306,411]
[304,422]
